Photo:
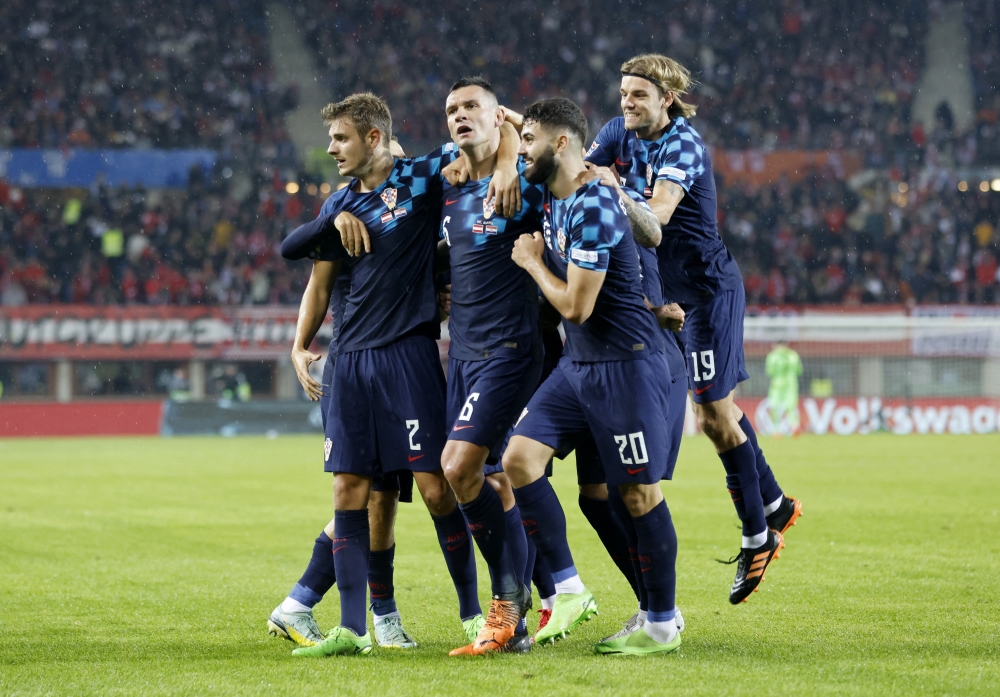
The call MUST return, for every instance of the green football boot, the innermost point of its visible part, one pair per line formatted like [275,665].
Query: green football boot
[472,626]
[341,641]
[299,627]
[636,644]
[569,611]
[390,634]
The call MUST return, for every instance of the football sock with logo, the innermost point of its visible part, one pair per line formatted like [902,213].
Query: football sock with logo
[453,536]
[545,521]
[658,558]
[319,576]
[380,587]
[744,488]
[627,526]
[351,545]
[598,514]
[770,492]
[488,525]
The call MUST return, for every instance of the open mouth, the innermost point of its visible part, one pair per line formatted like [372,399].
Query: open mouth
[463,130]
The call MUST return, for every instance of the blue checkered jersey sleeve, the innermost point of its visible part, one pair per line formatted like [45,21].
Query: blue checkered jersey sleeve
[318,239]
[681,157]
[427,169]
[596,226]
[604,150]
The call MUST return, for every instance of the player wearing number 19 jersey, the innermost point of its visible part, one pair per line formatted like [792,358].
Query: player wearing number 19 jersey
[659,153]
[614,381]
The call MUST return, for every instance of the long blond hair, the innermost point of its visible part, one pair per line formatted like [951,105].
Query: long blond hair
[668,75]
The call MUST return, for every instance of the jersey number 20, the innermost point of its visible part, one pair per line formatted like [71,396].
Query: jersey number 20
[636,442]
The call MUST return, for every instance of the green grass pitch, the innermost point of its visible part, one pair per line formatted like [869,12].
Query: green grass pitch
[149,566]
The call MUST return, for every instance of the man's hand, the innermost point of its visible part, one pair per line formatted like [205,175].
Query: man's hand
[607,176]
[505,190]
[444,300]
[353,234]
[669,316]
[302,359]
[528,250]
[456,173]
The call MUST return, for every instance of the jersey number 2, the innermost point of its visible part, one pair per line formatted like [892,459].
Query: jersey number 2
[414,426]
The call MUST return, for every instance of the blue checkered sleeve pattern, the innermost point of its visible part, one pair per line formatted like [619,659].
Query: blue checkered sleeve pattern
[603,152]
[597,224]
[681,157]
[421,172]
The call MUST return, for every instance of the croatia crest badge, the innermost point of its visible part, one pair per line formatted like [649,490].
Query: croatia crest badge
[389,196]
[489,209]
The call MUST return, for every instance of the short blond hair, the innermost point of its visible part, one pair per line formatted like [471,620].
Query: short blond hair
[668,75]
[366,111]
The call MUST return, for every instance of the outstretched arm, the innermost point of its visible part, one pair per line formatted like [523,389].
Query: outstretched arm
[506,182]
[312,312]
[575,297]
[666,196]
[644,224]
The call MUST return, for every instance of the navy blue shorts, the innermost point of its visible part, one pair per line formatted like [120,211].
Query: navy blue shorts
[387,409]
[485,398]
[401,481]
[589,469]
[622,404]
[713,340]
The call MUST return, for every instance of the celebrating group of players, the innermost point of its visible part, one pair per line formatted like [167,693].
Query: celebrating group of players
[511,229]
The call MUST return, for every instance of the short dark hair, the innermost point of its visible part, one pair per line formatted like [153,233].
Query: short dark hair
[474,81]
[365,111]
[558,112]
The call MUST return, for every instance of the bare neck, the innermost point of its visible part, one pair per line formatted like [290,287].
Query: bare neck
[567,178]
[657,129]
[481,159]
[376,172]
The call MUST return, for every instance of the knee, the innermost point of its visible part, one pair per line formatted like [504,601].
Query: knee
[598,492]
[437,496]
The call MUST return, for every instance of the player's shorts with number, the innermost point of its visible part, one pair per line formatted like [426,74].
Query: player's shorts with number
[485,398]
[387,409]
[590,470]
[401,480]
[713,342]
[622,404]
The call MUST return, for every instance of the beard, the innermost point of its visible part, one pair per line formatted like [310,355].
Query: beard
[542,168]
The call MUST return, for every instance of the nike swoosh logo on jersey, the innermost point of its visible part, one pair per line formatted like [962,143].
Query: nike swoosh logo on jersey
[632,472]
[449,201]
[459,428]
[699,390]
[411,458]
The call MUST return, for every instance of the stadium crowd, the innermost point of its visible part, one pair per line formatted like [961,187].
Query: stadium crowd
[794,74]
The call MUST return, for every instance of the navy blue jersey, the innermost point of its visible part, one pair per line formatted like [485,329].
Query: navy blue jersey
[494,302]
[694,263]
[590,229]
[392,288]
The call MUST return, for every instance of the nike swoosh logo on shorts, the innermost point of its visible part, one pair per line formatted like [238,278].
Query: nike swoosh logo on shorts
[411,458]
[459,428]
[699,390]
[632,472]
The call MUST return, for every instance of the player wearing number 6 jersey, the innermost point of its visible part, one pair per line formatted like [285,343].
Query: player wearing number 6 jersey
[658,152]
[614,382]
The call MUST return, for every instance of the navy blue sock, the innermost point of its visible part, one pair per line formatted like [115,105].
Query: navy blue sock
[658,559]
[517,540]
[380,587]
[351,545]
[769,489]
[741,478]
[488,526]
[598,514]
[545,521]
[529,559]
[319,576]
[540,574]
[627,526]
[453,536]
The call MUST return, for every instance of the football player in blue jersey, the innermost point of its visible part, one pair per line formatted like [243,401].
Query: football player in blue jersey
[387,402]
[495,357]
[658,152]
[613,384]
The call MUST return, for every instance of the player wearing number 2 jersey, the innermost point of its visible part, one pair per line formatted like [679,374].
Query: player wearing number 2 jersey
[658,152]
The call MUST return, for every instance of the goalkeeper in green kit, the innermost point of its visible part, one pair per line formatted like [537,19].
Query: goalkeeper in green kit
[784,367]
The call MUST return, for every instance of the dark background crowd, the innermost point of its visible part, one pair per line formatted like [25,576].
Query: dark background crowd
[772,76]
